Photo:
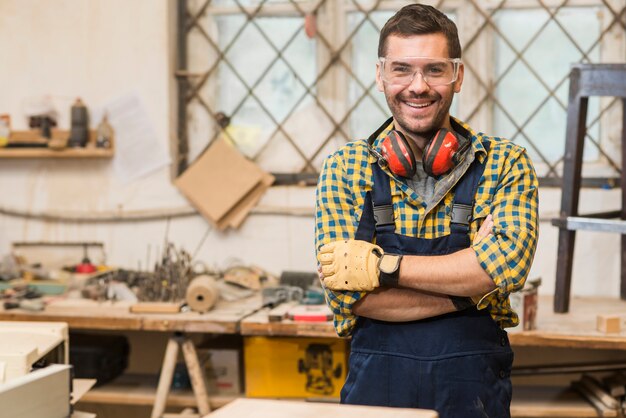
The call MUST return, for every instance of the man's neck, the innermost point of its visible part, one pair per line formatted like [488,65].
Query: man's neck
[419,142]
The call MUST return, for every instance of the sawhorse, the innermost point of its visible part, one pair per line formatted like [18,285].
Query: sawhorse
[196,375]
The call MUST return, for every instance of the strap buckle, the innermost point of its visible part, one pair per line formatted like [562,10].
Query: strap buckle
[461,214]
[383,215]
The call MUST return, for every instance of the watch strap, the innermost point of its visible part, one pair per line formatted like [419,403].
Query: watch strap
[389,269]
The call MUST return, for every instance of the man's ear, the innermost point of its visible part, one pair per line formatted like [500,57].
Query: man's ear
[459,79]
[379,80]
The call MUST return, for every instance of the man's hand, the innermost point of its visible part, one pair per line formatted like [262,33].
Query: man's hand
[485,230]
[350,265]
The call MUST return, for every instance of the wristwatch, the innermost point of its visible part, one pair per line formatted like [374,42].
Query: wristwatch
[389,267]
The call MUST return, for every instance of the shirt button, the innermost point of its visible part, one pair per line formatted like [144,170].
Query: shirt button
[502,341]
[502,374]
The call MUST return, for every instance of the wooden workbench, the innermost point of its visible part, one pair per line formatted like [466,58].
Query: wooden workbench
[87,314]
[576,329]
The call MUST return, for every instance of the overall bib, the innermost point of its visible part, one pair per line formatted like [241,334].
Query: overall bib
[458,364]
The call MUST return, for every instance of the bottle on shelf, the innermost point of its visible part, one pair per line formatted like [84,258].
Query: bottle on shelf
[104,133]
[79,132]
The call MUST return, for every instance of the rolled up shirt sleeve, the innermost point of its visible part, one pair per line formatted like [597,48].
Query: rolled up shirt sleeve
[508,254]
[335,220]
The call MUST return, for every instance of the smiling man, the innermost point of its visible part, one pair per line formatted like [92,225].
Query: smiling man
[422,232]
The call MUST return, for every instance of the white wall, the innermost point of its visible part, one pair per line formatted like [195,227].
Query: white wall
[100,49]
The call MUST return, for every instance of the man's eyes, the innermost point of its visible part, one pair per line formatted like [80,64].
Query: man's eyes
[435,70]
[402,69]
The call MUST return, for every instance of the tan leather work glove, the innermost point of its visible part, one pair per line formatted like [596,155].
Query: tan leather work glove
[355,265]
[350,265]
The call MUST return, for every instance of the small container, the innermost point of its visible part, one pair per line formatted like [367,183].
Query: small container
[104,134]
[79,132]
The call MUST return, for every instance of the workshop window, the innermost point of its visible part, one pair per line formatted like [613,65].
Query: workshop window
[295,79]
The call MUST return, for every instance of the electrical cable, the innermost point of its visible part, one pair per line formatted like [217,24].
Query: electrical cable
[139,215]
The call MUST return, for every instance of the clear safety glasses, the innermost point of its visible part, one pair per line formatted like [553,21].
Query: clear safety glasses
[401,71]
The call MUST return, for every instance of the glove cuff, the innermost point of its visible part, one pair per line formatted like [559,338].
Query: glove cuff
[461,303]
[389,268]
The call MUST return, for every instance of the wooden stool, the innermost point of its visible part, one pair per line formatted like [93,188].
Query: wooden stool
[586,80]
[196,375]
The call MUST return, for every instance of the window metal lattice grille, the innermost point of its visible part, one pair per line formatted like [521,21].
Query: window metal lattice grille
[289,81]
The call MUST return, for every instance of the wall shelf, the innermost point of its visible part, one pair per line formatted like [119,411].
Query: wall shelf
[49,153]
[60,138]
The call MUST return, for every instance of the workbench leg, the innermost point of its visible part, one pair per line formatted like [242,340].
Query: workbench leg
[197,377]
[165,379]
[623,184]
[564,264]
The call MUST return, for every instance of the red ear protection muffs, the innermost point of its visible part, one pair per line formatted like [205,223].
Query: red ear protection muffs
[398,155]
[442,153]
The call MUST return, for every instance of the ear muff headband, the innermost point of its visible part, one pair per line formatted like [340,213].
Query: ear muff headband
[442,153]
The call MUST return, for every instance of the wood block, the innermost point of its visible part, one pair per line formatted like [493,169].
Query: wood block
[155,307]
[609,323]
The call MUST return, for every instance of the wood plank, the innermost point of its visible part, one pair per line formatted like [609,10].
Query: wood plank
[44,393]
[578,223]
[132,389]
[554,402]
[250,408]
[155,307]
[80,387]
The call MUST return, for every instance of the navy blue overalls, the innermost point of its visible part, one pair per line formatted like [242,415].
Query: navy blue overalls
[457,364]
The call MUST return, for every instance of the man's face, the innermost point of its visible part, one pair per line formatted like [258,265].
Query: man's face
[419,110]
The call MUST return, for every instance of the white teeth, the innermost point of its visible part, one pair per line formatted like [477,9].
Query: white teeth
[418,106]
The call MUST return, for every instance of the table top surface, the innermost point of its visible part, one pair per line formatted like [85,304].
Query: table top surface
[247,317]
[224,318]
[247,407]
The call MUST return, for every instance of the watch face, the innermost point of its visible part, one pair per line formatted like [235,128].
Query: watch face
[389,263]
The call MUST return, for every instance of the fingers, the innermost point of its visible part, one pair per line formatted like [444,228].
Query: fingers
[325,258]
[329,248]
[328,270]
[485,229]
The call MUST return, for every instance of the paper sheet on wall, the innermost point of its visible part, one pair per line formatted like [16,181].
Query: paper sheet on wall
[138,149]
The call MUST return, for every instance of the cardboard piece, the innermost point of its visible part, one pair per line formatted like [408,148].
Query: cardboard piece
[223,185]
[239,213]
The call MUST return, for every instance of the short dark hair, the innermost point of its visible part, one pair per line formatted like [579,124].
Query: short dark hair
[420,19]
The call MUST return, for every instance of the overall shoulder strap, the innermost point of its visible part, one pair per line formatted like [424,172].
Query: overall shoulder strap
[463,202]
[377,216]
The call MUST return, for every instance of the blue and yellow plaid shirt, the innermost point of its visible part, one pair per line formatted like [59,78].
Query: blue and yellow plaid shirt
[507,190]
